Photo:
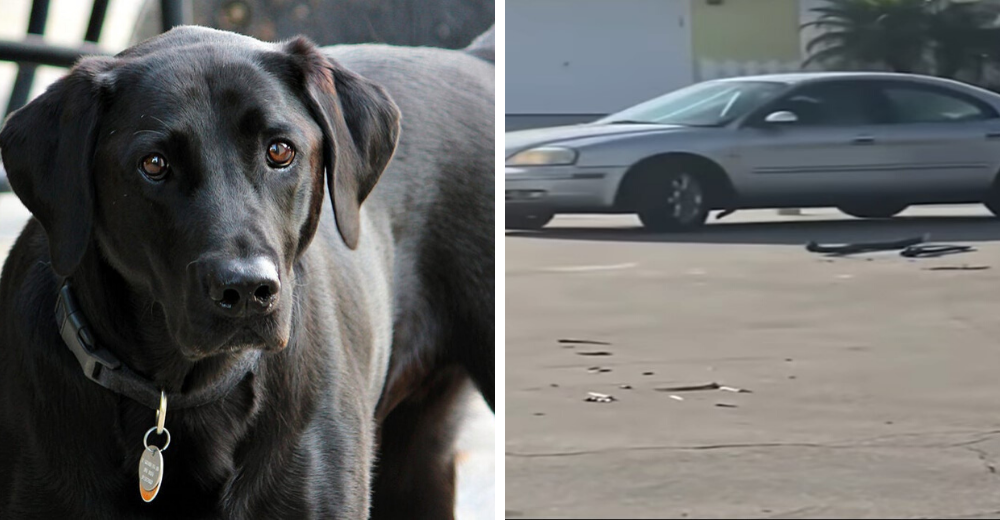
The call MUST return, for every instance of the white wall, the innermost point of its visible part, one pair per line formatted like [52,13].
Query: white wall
[569,57]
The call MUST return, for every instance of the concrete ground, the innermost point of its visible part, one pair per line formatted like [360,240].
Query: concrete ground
[875,380]
[477,457]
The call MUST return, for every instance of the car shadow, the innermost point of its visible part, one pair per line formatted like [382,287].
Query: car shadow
[938,229]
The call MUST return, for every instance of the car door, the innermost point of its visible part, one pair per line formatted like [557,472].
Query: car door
[832,149]
[945,143]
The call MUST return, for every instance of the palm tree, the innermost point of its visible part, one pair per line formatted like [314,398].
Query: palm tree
[887,33]
[962,36]
[907,35]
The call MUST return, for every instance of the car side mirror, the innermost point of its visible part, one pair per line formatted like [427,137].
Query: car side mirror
[781,117]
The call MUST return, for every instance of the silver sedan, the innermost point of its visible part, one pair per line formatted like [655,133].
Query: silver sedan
[870,144]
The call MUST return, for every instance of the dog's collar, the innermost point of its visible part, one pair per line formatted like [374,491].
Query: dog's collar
[105,369]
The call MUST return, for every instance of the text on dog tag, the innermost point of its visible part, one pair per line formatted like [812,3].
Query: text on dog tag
[150,473]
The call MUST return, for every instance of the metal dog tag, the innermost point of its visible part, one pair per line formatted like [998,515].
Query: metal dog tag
[150,473]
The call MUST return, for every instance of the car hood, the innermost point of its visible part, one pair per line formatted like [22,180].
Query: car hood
[522,140]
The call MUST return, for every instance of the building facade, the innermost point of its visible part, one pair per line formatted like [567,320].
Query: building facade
[571,61]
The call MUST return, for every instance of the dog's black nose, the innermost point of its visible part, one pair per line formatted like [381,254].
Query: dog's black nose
[243,287]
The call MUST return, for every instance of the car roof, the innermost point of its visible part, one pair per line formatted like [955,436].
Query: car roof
[802,77]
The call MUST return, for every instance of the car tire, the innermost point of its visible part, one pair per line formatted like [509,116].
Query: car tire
[873,210]
[527,221]
[674,202]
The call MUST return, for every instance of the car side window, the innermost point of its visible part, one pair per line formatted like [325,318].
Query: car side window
[829,104]
[918,104]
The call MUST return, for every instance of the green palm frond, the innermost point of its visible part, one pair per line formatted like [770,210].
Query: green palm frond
[828,39]
[836,54]
[899,33]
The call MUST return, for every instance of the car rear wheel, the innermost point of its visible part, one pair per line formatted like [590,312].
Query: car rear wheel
[527,221]
[676,201]
[873,209]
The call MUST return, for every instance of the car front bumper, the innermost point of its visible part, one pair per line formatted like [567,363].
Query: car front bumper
[555,189]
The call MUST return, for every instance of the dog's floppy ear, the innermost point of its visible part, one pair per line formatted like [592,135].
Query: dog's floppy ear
[48,148]
[360,124]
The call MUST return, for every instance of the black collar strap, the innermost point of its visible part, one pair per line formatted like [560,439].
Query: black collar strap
[105,369]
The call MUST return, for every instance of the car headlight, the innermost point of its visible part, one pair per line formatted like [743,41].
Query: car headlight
[543,156]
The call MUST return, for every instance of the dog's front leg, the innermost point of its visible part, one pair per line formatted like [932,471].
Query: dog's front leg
[415,472]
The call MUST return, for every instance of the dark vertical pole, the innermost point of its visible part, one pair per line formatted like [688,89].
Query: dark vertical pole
[26,73]
[173,13]
[96,22]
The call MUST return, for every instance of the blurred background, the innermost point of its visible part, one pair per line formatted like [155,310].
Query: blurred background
[437,23]
[112,25]
[559,73]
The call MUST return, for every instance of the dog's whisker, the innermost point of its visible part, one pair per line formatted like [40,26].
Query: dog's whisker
[158,120]
[155,132]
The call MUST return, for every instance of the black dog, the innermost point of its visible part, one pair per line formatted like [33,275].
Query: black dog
[310,359]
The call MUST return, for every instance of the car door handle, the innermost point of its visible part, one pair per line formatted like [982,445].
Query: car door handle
[993,135]
[863,139]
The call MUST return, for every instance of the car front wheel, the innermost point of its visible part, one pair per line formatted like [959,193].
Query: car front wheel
[527,221]
[676,201]
[873,209]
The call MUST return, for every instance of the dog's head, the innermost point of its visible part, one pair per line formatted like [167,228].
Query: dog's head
[195,163]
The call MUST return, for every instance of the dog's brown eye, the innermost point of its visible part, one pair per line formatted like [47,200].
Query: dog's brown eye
[154,166]
[280,154]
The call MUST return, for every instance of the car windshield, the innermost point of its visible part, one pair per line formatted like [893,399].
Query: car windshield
[703,104]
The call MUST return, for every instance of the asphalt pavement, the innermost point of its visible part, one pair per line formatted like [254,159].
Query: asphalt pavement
[871,384]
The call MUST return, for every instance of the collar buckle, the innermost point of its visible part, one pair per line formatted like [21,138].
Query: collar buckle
[78,338]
